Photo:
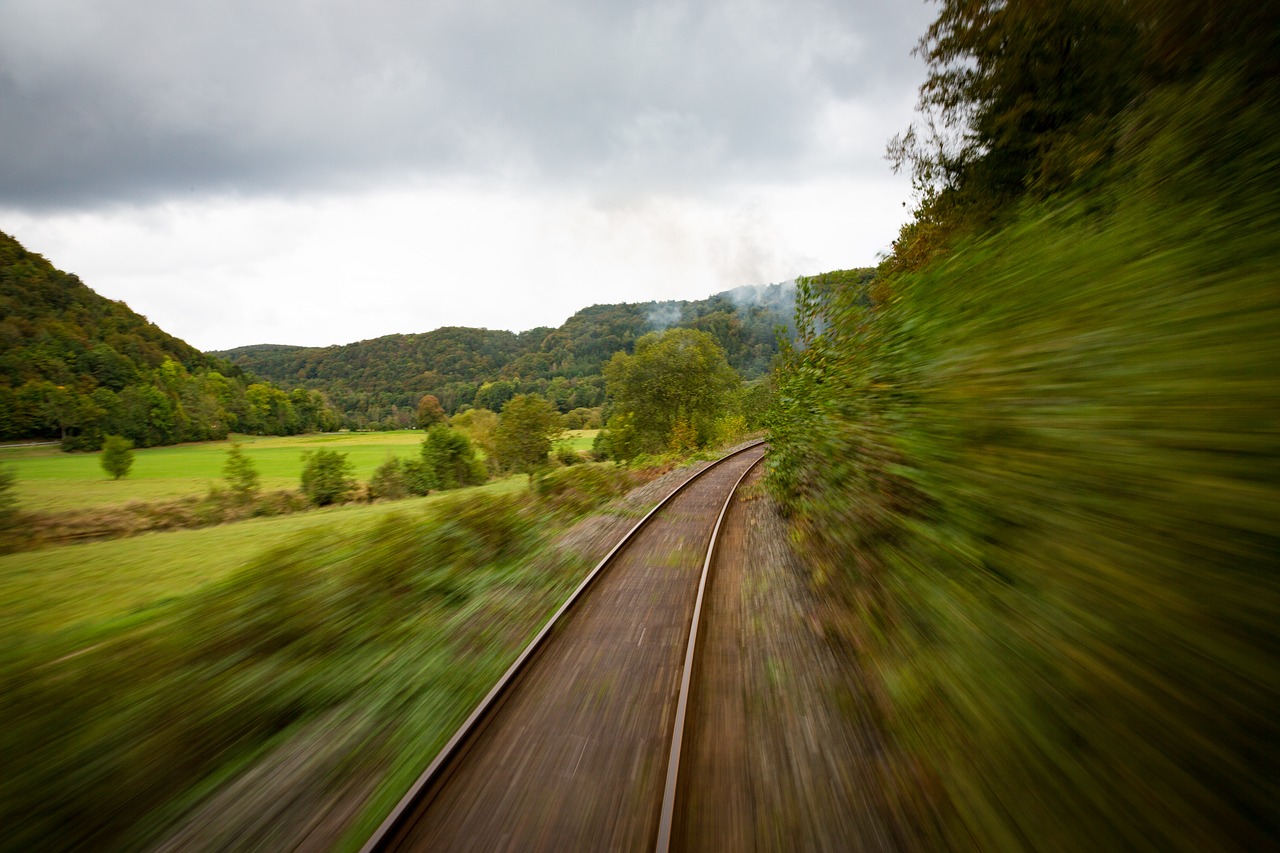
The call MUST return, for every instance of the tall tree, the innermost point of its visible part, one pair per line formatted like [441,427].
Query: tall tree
[675,378]
[430,412]
[526,429]
[1009,81]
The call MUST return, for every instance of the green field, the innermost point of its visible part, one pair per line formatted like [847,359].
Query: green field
[49,480]
[96,582]
[578,439]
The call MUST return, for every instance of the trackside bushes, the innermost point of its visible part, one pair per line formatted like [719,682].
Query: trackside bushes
[1041,477]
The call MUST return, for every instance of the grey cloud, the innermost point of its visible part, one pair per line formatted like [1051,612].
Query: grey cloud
[132,100]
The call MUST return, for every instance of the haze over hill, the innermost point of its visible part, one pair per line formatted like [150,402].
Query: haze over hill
[380,381]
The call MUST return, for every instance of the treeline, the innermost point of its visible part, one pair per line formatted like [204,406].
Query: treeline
[1033,458]
[378,383]
[75,367]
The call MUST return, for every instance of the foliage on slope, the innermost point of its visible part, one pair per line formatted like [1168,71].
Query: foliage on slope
[76,366]
[1036,463]
[379,382]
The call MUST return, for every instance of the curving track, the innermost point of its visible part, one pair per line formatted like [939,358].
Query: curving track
[574,748]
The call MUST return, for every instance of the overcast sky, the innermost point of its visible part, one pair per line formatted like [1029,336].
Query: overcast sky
[325,171]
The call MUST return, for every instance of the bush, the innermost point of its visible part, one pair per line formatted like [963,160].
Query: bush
[241,476]
[117,456]
[449,461]
[8,501]
[326,477]
[1043,479]
[566,455]
[579,489]
[390,481]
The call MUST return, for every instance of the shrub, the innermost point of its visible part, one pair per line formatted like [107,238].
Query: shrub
[8,501]
[241,476]
[390,481]
[449,461]
[566,455]
[582,488]
[326,477]
[117,456]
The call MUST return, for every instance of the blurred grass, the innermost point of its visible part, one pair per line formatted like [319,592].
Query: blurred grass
[49,480]
[1043,478]
[140,676]
[59,587]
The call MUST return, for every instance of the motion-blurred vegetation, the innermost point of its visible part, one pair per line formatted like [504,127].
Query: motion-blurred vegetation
[376,645]
[1035,457]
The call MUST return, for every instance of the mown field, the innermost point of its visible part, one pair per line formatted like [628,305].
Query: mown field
[49,480]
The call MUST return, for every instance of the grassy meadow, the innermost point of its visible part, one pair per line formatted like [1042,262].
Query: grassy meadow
[92,584]
[49,480]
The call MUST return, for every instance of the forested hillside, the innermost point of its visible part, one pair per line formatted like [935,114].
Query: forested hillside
[75,366]
[379,382]
[1035,461]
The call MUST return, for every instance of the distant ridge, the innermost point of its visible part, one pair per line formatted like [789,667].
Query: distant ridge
[379,381]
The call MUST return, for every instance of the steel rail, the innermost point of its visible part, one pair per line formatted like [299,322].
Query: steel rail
[474,723]
[686,680]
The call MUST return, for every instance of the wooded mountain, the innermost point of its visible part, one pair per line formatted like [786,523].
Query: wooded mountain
[76,366]
[379,382]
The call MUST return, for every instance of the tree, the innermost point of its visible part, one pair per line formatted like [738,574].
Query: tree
[525,431]
[326,477]
[479,425]
[430,412]
[675,378]
[240,474]
[449,460]
[117,456]
[494,395]
[1009,81]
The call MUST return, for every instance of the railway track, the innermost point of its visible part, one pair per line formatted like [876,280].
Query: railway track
[578,745]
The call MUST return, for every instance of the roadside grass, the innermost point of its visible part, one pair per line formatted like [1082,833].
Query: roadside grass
[49,480]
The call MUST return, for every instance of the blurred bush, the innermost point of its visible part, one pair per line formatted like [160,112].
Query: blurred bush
[114,730]
[581,488]
[1041,476]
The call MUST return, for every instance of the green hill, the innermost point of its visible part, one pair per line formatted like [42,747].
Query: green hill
[75,366]
[380,381]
